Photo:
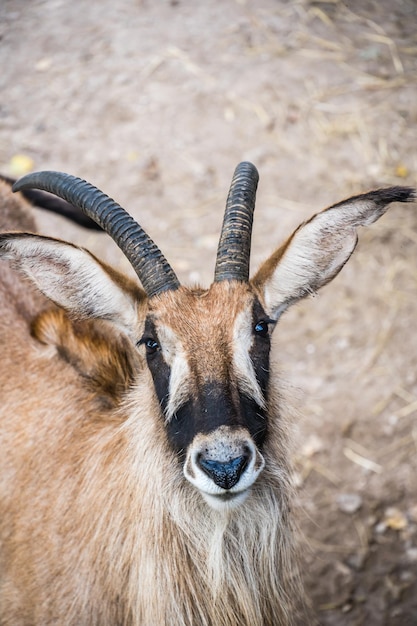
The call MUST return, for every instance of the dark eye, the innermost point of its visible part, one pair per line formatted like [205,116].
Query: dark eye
[151,345]
[261,328]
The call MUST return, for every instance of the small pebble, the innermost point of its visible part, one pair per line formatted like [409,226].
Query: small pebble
[356,561]
[380,528]
[349,502]
[412,555]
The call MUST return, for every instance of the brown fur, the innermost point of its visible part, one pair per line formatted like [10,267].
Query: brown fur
[104,359]
[98,525]
[14,214]
[95,506]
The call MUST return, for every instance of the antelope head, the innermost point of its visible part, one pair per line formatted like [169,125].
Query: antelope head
[205,352]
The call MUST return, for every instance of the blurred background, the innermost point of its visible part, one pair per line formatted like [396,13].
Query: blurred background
[155,103]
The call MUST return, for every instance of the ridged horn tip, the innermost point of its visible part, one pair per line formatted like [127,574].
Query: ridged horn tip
[147,260]
[233,253]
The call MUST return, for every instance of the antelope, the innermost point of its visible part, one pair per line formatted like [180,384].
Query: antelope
[146,478]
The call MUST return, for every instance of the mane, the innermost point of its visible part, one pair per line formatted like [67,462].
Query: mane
[221,563]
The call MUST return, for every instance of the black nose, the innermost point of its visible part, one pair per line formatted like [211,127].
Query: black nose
[224,474]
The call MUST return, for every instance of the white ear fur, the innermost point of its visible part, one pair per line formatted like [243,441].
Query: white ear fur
[319,248]
[71,277]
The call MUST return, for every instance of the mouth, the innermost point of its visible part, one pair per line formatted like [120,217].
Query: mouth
[226,500]
[226,497]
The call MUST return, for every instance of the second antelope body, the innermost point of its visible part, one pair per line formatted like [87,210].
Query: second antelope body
[145,477]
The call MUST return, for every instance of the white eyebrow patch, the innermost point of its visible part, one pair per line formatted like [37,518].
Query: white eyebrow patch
[242,363]
[179,380]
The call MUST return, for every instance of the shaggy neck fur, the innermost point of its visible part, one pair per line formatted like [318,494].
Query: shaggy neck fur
[202,567]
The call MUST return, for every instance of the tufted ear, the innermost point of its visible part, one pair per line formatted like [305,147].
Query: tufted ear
[318,249]
[74,279]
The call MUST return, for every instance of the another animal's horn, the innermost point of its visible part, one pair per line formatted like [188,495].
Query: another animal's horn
[49,202]
[233,253]
[147,260]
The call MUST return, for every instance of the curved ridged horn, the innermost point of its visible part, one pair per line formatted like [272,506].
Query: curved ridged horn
[147,260]
[233,253]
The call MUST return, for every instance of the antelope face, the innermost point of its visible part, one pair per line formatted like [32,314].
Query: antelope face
[208,353]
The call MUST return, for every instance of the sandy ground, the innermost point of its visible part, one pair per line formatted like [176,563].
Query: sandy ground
[155,103]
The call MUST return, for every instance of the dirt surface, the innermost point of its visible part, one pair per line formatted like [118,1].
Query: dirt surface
[155,103]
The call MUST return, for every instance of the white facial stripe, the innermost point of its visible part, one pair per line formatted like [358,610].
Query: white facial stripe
[178,385]
[242,363]
[174,355]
